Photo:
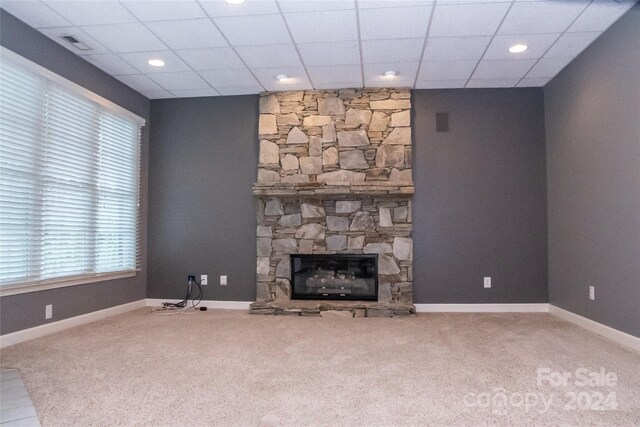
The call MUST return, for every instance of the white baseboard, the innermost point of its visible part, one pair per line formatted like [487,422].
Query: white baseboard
[230,305]
[608,332]
[50,328]
[483,308]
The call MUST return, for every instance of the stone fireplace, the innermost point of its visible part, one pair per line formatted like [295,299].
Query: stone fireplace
[334,178]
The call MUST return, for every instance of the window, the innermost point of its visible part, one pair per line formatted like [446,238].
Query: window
[69,181]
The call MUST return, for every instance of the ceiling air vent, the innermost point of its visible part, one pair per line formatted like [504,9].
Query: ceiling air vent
[75,42]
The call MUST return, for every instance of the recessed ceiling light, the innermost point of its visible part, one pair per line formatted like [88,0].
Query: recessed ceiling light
[518,48]
[235,1]
[282,77]
[390,73]
[156,62]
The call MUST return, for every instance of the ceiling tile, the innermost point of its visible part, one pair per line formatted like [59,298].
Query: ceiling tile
[293,6]
[332,53]
[467,20]
[179,81]
[534,82]
[548,67]
[193,93]
[188,33]
[56,33]
[139,82]
[491,83]
[112,64]
[447,70]
[213,58]
[220,8]
[298,78]
[537,43]
[373,74]
[164,10]
[392,23]
[335,73]
[399,50]
[229,78]
[340,85]
[541,17]
[92,12]
[140,61]
[157,94]
[599,15]
[246,90]
[473,1]
[509,69]
[35,13]
[326,26]
[125,37]
[283,55]
[376,4]
[254,30]
[440,84]
[455,48]
[571,44]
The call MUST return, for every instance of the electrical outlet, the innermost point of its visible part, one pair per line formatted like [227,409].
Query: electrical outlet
[48,311]
[223,280]
[203,279]
[487,282]
[592,293]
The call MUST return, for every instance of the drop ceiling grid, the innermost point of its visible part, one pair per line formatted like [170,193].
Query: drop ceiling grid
[562,44]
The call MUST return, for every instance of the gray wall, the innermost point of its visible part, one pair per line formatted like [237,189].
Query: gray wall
[480,202]
[593,174]
[27,310]
[203,162]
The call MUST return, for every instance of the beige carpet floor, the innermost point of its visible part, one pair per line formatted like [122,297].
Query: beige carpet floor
[228,368]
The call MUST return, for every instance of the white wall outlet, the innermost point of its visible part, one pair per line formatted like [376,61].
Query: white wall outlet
[487,282]
[223,280]
[204,279]
[592,293]
[48,311]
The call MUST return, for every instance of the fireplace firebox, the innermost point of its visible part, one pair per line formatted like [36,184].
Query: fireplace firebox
[335,277]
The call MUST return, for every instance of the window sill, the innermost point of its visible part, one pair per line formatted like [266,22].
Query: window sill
[42,285]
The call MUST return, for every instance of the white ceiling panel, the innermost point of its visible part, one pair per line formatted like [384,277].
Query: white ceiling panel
[548,67]
[538,44]
[139,82]
[229,78]
[125,37]
[295,6]
[374,74]
[112,64]
[193,93]
[600,14]
[164,10]
[35,13]
[490,83]
[215,58]
[440,84]
[56,34]
[188,33]
[140,60]
[571,44]
[297,78]
[254,30]
[541,17]
[282,55]
[243,90]
[515,68]
[395,23]
[333,53]
[179,81]
[219,8]
[331,73]
[338,85]
[398,50]
[92,12]
[533,82]
[455,48]
[329,26]
[447,70]
[376,4]
[467,19]
[157,94]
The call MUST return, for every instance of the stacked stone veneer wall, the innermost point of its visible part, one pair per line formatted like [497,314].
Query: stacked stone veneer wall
[334,176]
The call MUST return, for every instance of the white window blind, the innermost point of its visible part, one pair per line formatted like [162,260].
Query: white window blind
[69,180]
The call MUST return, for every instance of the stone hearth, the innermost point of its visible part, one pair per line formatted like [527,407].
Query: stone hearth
[334,176]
